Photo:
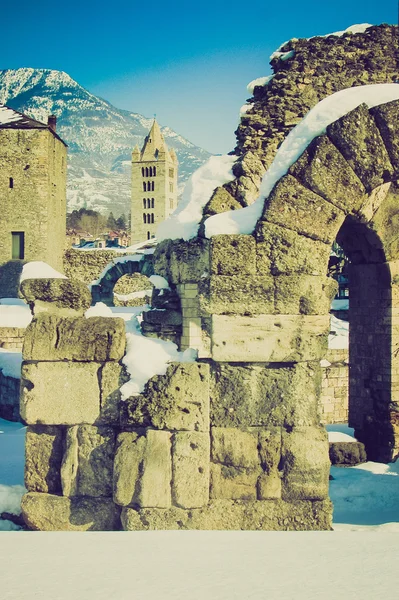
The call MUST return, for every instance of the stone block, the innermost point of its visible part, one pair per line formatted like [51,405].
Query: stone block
[292,205]
[304,294]
[347,453]
[249,294]
[65,297]
[323,169]
[269,515]
[269,486]
[283,251]
[190,469]
[88,461]
[386,222]
[232,254]
[387,119]
[189,260]
[269,338]
[50,337]
[220,202]
[358,139]
[59,393]
[142,469]
[45,512]
[270,449]
[255,395]
[43,457]
[178,400]
[234,447]
[233,482]
[112,376]
[306,464]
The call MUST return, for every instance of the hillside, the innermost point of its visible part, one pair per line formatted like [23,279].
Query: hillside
[100,137]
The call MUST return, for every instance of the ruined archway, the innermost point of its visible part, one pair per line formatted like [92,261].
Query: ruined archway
[103,290]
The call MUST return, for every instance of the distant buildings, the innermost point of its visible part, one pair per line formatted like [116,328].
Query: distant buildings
[32,195]
[154,185]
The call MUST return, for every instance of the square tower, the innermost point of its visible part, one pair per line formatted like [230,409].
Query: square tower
[154,185]
[33,161]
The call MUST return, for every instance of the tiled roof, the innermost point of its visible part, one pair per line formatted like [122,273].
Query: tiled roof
[13,119]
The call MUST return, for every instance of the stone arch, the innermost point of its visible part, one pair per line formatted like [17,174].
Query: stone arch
[103,291]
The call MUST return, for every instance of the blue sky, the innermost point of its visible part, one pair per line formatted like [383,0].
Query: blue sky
[188,62]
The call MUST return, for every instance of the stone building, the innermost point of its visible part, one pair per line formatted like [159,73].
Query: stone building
[154,185]
[32,195]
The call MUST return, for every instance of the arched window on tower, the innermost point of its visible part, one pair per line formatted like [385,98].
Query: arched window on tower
[155,171]
[148,186]
[143,171]
[144,218]
[152,217]
[148,235]
[152,187]
[144,203]
[146,171]
[148,218]
[152,202]
[144,186]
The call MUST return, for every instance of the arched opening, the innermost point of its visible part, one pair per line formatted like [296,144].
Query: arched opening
[143,171]
[144,215]
[371,389]
[152,217]
[152,202]
[150,171]
[144,186]
[155,171]
[144,203]
[148,235]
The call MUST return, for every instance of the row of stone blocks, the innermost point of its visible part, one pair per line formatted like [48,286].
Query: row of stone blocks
[152,461]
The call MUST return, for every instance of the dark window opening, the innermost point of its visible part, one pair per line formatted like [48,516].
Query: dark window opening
[152,217]
[144,218]
[17,245]
[155,171]
[148,235]
[144,186]
[152,202]
[11,182]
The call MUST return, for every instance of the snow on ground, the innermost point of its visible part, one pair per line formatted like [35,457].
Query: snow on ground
[339,334]
[340,433]
[14,313]
[38,269]
[313,124]
[10,362]
[12,458]
[184,222]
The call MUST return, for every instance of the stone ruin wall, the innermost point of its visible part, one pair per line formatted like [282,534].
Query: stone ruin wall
[319,67]
[170,458]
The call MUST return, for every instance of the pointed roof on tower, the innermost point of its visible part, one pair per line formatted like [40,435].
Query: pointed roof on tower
[154,143]
[173,156]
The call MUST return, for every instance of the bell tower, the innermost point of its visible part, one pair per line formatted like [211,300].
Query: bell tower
[154,185]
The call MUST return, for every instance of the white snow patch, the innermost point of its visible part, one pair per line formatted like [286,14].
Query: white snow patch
[339,334]
[159,283]
[357,28]
[184,222]
[133,295]
[261,81]
[314,123]
[99,310]
[8,115]
[38,269]
[337,436]
[10,362]
[245,108]
[14,313]
[146,357]
[283,55]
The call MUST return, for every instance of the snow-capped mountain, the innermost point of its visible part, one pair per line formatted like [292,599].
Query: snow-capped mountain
[100,137]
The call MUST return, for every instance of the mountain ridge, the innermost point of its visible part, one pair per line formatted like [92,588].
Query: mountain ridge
[99,135]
